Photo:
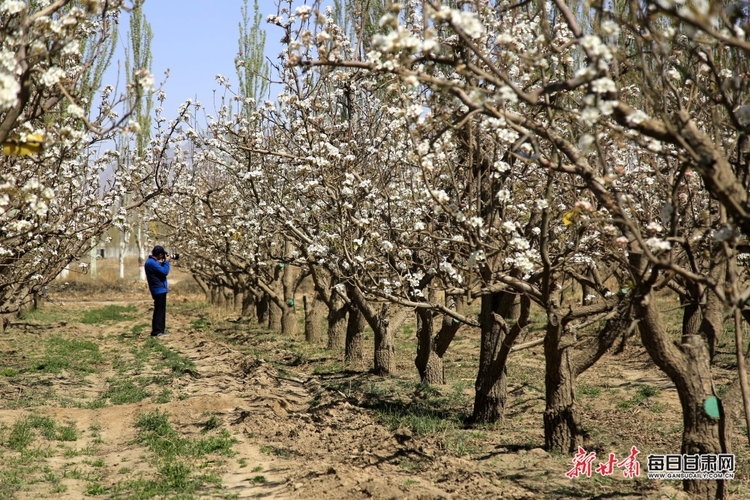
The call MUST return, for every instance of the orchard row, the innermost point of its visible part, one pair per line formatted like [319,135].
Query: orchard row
[433,160]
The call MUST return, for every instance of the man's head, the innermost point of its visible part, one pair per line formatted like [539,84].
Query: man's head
[158,251]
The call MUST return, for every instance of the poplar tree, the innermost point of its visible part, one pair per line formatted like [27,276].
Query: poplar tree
[252,68]
[138,59]
[90,82]
[93,75]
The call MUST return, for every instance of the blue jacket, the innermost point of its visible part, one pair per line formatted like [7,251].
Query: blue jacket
[156,275]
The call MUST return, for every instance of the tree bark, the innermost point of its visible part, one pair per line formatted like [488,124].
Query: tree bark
[337,308]
[496,342]
[263,308]
[562,431]
[228,294]
[282,316]
[238,297]
[355,329]
[701,433]
[249,305]
[313,318]
[385,352]
[428,363]
[217,297]
[430,350]
[687,365]
[274,317]
[289,320]
[712,324]
[93,260]
[565,360]
[337,322]
[383,327]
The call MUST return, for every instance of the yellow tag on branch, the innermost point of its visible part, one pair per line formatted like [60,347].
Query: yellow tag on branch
[33,144]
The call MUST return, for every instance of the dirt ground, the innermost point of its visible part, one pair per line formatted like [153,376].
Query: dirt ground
[302,425]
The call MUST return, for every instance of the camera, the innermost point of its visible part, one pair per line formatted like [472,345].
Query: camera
[174,256]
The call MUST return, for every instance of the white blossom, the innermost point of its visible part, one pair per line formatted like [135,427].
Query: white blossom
[507,94]
[502,195]
[658,245]
[476,222]
[52,76]
[590,116]
[441,196]
[9,89]
[133,127]
[603,85]
[637,117]
[12,6]
[586,143]
[75,111]
[7,61]
[303,11]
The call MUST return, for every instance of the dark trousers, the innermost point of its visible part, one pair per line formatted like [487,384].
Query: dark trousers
[158,323]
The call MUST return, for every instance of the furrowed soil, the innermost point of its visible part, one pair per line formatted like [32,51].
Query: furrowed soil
[90,406]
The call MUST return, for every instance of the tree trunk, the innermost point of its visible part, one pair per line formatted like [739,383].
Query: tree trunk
[282,316]
[221,297]
[238,298]
[5,320]
[355,329]
[337,323]
[428,363]
[384,359]
[489,402]
[496,342]
[510,307]
[228,294]
[713,315]
[313,318]
[562,431]
[93,257]
[203,286]
[430,350]
[274,316]
[688,365]
[383,327]
[37,301]
[142,252]
[565,360]
[249,305]
[124,242]
[263,308]
[701,433]
[289,321]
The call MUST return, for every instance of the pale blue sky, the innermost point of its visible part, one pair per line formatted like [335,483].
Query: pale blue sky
[196,40]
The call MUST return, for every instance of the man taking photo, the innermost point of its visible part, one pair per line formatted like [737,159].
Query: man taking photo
[157,269]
